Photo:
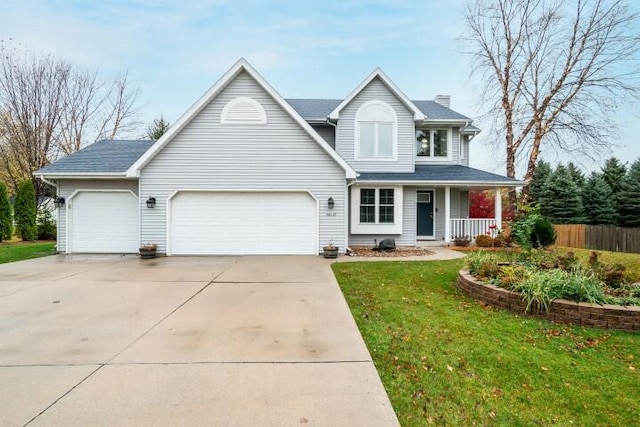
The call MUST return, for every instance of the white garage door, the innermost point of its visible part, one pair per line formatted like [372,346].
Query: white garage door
[104,222]
[243,223]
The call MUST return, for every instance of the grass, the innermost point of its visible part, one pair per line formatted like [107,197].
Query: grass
[446,359]
[629,260]
[18,251]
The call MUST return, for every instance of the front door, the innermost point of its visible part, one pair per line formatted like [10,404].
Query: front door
[425,213]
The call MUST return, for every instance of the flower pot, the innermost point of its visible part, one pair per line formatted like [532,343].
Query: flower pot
[330,252]
[147,253]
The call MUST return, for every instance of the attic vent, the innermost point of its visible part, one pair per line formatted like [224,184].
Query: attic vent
[243,110]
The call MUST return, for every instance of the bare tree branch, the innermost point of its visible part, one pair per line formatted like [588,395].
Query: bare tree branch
[553,72]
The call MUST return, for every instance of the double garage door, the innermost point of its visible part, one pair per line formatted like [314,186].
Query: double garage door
[243,223]
[199,223]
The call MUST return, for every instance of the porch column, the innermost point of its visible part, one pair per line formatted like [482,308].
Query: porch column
[447,214]
[498,208]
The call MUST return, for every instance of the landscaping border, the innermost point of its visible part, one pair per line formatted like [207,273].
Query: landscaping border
[616,317]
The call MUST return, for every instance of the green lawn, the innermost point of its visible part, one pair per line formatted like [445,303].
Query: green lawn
[446,359]
[630,261]
[10,252]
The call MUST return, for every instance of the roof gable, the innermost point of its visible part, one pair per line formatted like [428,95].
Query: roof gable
[200,104]
[379,74]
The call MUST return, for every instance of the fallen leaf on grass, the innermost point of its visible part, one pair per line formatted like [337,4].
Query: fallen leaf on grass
[631,368]
[450,368]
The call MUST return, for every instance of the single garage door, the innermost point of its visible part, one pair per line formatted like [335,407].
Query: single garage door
[243,223]
[104,222]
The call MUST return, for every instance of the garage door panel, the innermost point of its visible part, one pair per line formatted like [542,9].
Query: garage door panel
[211,223]
[104,222]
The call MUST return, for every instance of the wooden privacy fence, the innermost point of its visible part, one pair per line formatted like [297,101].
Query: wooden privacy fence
[598,237]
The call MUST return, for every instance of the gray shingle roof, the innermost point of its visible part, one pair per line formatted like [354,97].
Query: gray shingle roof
[319,109]
[439,173]
[106,156]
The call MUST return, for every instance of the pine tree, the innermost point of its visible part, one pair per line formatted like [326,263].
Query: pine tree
[158,128]
[25,211]
[560,200]
[6,219]
[613,173]
[629,197]
[597,197]
[576,175]
[542,172]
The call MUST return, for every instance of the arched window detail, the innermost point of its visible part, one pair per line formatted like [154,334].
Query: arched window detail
[376,128]
[243,110]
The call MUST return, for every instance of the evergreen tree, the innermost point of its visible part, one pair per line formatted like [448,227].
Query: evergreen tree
[542,172]
[613,173]
[6,219]
[597,197]
[157,128]
[629,197]
[561,201]
[576,175]
[25,211]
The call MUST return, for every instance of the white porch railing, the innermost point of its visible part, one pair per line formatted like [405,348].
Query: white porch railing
[470,227]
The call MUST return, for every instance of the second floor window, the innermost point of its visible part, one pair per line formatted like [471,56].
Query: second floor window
[432,143]
[375,133]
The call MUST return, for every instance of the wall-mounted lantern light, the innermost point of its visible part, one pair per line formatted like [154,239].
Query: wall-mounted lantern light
[58,202]
[151,202]
[331,203]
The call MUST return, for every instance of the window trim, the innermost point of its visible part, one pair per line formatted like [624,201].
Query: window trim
[427,159]
[378,227]
[394,131]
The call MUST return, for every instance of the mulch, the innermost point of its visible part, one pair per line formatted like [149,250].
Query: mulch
[367,251]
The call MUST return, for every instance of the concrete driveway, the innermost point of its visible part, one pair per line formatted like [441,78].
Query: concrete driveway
[224,341]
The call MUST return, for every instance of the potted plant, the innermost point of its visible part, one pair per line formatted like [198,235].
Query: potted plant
[148,250]
[330,251]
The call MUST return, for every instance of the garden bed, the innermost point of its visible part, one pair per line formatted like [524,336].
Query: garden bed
[605,316]
[399,252]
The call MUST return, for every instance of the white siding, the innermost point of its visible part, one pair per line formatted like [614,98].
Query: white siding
[409,224]
[68,186]
[465,146]
[346,131]
[210,155]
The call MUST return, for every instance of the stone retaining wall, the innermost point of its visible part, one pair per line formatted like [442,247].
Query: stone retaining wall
[560,311]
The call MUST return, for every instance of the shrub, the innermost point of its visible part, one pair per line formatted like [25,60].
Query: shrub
[543,233]
[462,241]
[46,225]
[6,219]
[478,263]
[25,211]
[484,241]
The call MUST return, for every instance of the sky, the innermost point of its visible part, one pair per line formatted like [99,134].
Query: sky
[175,50]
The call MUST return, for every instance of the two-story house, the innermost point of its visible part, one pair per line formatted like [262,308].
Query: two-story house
[245,171]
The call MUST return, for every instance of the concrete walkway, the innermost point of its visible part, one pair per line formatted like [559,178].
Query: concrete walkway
[224,341]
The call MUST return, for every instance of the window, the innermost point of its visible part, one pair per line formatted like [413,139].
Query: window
[368,205]
[376,128]
[386,205]
[376,210]
[432,142]
[382,199]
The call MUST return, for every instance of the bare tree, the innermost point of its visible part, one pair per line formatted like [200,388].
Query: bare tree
[48,108]
[553,72]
